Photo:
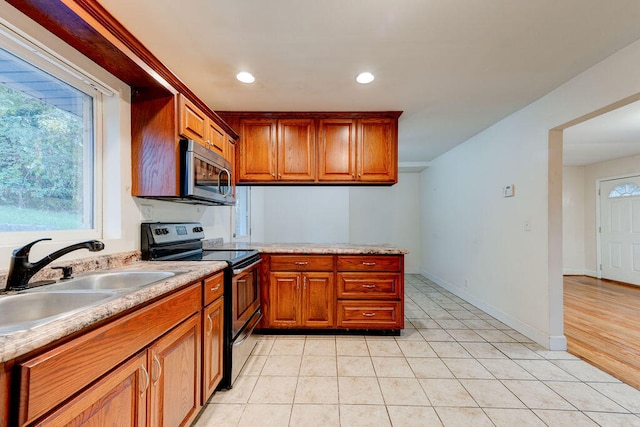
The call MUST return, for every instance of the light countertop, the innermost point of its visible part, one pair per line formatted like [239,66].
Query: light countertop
[312,248]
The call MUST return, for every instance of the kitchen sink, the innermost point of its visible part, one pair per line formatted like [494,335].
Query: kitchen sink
[22,311]
[112,281]
[47,303]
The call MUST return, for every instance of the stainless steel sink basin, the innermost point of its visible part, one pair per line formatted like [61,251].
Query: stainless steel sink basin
[22,311]
[112,281]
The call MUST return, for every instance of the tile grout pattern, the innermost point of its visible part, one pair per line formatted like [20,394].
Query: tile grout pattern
[453,365]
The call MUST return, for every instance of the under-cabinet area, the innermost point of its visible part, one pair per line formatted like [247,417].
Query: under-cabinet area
[309,291]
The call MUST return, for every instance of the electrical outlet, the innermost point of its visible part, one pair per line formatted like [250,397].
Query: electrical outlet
[147,212]
[527,224]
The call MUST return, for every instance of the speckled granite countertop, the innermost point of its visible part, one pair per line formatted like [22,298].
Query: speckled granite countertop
[15,344]
[311,248]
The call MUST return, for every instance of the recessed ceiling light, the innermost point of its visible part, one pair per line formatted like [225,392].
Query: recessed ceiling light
[365,78]
[245,77]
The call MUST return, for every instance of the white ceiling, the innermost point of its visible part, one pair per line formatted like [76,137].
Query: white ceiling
[453,66]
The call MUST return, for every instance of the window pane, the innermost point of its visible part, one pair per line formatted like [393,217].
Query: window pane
[46,150]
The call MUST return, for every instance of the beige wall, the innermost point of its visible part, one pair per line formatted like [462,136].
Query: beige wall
[474,241]
[573,210]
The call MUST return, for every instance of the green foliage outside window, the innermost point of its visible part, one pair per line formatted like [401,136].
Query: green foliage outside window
[41,165]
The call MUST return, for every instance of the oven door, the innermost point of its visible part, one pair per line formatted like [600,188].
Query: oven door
[245,300]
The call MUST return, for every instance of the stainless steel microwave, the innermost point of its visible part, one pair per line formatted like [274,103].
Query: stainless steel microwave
[206,176]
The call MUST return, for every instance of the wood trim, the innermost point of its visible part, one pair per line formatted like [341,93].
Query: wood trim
[229,115]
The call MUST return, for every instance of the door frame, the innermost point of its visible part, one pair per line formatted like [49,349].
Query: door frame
[599,181]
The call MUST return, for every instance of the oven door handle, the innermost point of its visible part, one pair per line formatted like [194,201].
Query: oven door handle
[248,330]
[250,266]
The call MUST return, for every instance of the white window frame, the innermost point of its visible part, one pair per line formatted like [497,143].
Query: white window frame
[33,52]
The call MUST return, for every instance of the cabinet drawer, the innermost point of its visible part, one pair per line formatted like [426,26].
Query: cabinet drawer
[302,263]
[213,288]
[369,285]
[370,263]
[370,314]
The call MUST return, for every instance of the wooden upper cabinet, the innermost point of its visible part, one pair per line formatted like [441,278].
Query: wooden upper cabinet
[257,150]
[193,122]
[377,150]
[337,150]
[316,147]
[296,150]
[195,125]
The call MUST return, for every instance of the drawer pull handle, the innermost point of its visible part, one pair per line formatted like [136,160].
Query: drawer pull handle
[368,314]
[301,263]
[215,288]
[369,286]
[368,264]
[146,384]
[155,358]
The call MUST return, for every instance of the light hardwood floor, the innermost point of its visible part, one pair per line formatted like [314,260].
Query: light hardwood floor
[602,325]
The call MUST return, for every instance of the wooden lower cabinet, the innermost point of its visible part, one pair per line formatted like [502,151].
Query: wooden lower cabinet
[119,399]
[301,300]
[174,368]
[212,346]
[155,366]
[349,291]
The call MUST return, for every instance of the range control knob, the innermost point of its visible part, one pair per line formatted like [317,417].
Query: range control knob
[198,229]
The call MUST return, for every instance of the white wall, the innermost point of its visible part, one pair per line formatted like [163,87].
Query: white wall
[341,214]
[473,239]
[122,216]
[573,225]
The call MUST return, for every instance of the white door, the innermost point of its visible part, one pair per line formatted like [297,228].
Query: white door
[620,229]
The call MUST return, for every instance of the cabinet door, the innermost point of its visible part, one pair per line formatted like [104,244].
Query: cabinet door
[284,297]
[318,301]
[192,121]
[377,155]
[217,139]
[212,345]
[174,362]
[119,399]
[337,150]
[296,150]
[257,147]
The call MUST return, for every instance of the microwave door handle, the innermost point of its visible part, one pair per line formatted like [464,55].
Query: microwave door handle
[228,182]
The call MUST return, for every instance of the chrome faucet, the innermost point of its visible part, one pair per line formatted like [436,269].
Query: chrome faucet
[21,270]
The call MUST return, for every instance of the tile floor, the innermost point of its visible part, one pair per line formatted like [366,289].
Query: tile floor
[454,365]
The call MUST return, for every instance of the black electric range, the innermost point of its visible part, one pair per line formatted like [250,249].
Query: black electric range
[182,241]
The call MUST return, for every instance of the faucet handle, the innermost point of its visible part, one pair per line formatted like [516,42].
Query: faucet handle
[24,251]
[67,271]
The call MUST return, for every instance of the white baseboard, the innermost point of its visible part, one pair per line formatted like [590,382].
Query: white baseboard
[573,271]
[579,272]
[550,342]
